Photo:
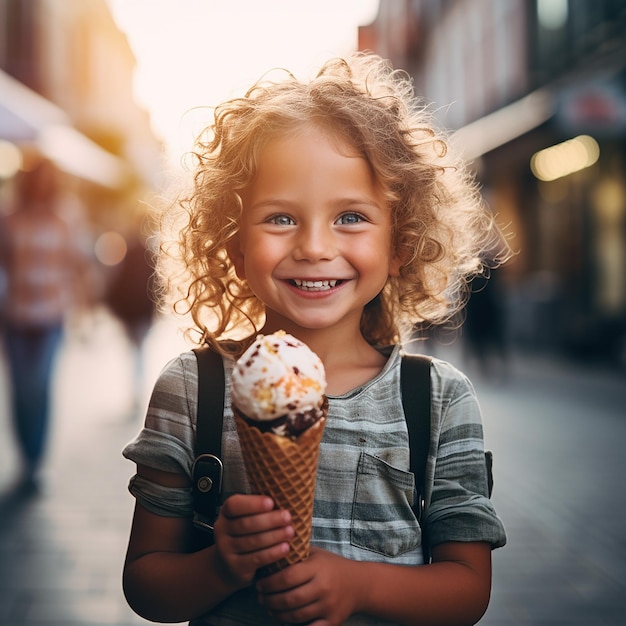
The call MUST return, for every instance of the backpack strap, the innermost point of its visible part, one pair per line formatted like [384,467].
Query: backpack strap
[415,388]
[208,470]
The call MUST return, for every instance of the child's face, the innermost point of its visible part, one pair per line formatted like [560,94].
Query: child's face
[315,233]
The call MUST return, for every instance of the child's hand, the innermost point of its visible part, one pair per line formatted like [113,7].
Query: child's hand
[318,591]
[250,533]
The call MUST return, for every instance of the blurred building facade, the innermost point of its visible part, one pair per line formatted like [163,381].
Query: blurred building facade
[535,91]
[68,69]
[66,95]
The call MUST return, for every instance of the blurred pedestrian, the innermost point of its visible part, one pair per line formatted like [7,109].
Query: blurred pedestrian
[45,270]
[485,326]
[131,299]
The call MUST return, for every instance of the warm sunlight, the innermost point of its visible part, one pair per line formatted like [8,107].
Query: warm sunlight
[195,53]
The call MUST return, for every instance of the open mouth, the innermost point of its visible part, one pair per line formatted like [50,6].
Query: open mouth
[315,285]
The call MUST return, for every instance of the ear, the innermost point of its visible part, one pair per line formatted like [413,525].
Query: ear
[233,248]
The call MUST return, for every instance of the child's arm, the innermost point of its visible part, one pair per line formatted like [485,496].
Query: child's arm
[164,581]
[326,589]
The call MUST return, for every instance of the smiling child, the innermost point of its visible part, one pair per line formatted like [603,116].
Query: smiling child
[334,210]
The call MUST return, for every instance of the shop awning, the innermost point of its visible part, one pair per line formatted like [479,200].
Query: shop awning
[505,124]
[30,120]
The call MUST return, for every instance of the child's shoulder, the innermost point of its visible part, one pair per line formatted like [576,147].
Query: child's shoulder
[440,367]
[184,366]
[179,371]
[453,395]
[183,360]
[446,370]
[447,379]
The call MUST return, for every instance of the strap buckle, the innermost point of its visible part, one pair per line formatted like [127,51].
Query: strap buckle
[207,474]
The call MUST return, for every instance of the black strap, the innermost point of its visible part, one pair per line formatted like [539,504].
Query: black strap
[207,468]
[415,387]
[210,401]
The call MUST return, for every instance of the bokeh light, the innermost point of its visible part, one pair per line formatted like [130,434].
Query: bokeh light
[110,248]
[565,158]
[10,159]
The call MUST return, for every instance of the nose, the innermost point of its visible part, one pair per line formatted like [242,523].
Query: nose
[315,242]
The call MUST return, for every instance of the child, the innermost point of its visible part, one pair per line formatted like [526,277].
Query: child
[331,210]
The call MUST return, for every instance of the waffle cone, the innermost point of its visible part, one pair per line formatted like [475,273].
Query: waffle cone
[284,469]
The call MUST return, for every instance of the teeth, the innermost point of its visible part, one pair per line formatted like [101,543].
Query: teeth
[315,285]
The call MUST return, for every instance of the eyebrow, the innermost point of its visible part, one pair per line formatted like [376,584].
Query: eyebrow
[346,202]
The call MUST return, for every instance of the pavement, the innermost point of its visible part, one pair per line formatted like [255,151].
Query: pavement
[557,430]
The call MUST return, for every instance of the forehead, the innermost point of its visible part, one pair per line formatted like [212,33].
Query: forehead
[310,135]
[311,154]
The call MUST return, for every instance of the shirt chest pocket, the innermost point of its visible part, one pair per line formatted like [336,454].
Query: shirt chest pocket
[382,518]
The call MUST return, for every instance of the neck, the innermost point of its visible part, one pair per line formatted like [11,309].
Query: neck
[326,342]
[348,359]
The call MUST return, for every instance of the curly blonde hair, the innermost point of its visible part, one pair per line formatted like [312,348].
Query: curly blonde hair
[441,231]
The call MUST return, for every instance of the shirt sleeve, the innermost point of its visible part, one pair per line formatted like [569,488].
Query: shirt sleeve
[166,441]
[458,503]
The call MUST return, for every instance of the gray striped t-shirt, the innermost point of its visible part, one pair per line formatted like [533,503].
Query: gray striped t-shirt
[364,489]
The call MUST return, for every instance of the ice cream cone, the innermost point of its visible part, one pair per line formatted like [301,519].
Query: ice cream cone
[284,469]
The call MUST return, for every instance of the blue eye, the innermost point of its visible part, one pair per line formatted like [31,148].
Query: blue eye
[350,218]
[281,220]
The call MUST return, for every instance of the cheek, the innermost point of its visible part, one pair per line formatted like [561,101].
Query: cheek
[259,258]
[383,257]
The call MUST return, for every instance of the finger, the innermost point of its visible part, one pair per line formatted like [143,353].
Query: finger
[244,504]
[247,543]
[299,614]
[259,523]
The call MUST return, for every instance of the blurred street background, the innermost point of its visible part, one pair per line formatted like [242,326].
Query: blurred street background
[534,92]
